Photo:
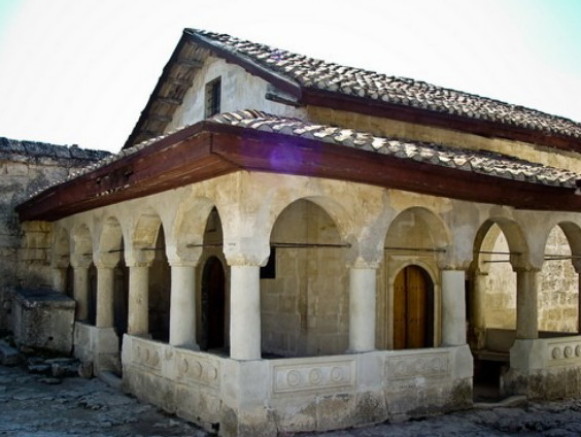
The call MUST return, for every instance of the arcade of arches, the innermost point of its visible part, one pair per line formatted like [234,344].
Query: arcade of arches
[318,280]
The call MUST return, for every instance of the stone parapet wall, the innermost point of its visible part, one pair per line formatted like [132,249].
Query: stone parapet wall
[544,368]
[25,168]
[277,396]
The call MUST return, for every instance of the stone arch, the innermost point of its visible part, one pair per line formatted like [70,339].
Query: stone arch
[572,232]
[558,300]
[82,244]
[190,227]
[417,227]
[111,241]
[111,255]
[336,212]
[416,237]
[199,242]
[515,240]
[146,229]
[149,249]
[304,286]
[500,249]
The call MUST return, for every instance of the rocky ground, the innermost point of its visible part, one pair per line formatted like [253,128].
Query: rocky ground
[43,396]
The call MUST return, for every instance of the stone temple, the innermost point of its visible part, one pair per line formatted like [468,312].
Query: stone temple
[285,244]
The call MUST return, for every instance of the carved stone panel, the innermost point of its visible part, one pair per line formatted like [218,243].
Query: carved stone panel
[564,352]
[318,376]
[146,354]
[197,369]
[429,365]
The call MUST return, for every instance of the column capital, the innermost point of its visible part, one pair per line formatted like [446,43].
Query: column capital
[178,262]
[365,253]
[454,268]
[455,256]
[247,252]
[101,264]
[360,263]
[81,263]
[182,255]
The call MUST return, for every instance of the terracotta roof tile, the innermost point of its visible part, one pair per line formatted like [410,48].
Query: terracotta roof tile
[328,76]
[478,161]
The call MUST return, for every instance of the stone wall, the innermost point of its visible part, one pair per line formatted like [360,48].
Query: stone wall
[240,90]
[305,307]
[26,167]
[558,285]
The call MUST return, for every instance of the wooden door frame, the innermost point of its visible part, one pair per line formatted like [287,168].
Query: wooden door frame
[393,265]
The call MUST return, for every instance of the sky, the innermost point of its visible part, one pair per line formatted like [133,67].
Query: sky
[81,71]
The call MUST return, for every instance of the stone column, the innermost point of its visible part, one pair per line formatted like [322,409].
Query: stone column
[182,328]
[81,291]
[245,341]
[527,320]
[453,308]
[362,296]
[105,283]
[138,320]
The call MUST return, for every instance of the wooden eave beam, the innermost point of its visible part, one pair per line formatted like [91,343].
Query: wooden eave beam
[485,128]
[170,163]
[259,151]
[207,150]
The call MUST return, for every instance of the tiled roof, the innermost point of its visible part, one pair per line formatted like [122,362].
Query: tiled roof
[477,161]
[317,74]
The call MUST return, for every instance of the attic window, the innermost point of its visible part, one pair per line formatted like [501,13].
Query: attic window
[213,91]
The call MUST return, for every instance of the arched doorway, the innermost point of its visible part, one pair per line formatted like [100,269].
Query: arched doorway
[213,305]
[121,299]
[413,309]
[159,291]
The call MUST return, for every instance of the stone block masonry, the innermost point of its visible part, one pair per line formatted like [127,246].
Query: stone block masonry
[25,168]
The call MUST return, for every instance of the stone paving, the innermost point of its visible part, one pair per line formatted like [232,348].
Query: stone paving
[34,405]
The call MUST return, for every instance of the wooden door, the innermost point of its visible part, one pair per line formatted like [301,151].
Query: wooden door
[412,309]
[213,305]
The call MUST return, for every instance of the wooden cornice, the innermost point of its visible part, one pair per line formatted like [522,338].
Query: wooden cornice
[207,150]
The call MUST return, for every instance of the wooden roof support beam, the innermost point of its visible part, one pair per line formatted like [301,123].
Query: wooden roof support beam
[193,63]
[159,117]
[180,81]
[170,100]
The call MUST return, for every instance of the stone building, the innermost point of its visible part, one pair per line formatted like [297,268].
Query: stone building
[285,244]
[26,167]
